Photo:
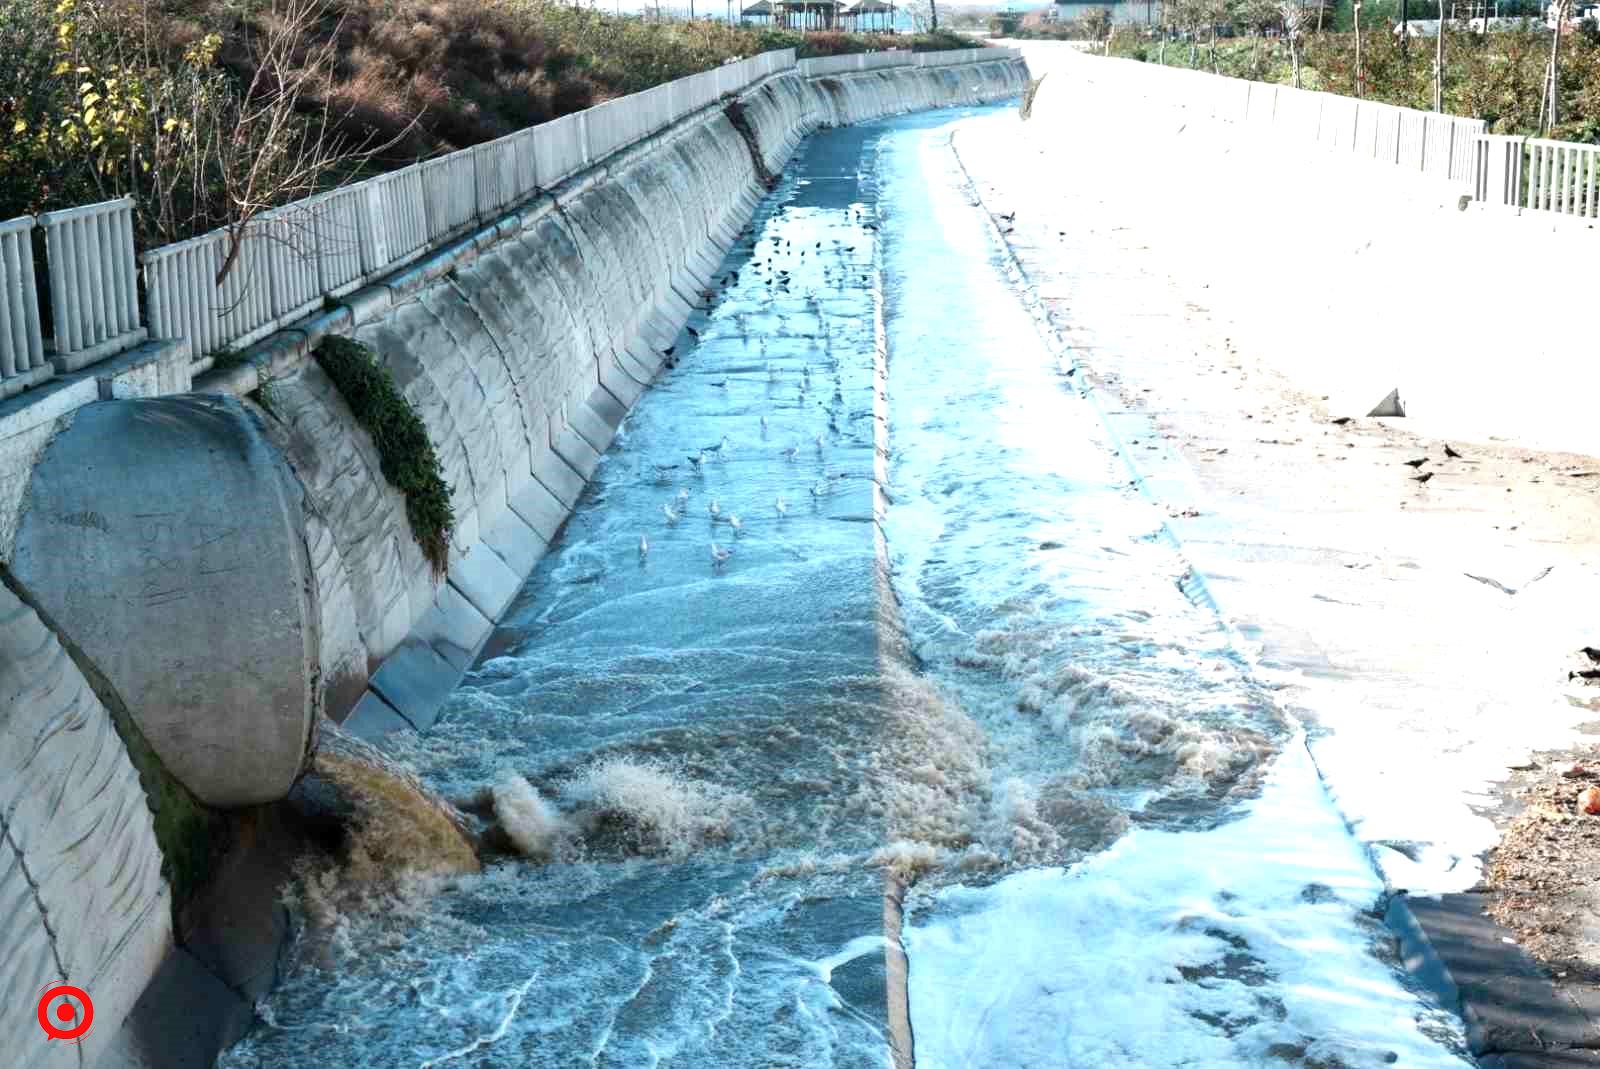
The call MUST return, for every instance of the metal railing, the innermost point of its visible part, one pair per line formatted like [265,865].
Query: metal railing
[284,263]
[1444,146]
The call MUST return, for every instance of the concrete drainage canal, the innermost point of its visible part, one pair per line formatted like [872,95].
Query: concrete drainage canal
[857,717]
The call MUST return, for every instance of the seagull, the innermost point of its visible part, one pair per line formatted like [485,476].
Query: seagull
[714,508]
[719,556]
[672,517]
[683,497]
[736,524]
[820,488]
[644,547]
[792,452]
[780,506]
[1509,590]
[698,460]
[819,443]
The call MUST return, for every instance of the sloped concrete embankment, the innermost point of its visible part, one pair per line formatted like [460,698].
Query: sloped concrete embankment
[1358,276]
[226,573]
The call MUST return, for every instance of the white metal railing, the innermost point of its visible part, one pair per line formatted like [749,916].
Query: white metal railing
[285,262]
[1440,145]
[449,193]
[1563,177]
[94,295]
[1497,171]
[22,362]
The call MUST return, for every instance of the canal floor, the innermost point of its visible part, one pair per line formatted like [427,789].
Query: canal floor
[861,599]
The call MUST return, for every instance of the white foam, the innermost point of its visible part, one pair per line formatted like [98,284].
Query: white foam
[534,826]
[661,810]
[1211,948]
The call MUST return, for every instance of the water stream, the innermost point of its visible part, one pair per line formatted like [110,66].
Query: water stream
[1118,853]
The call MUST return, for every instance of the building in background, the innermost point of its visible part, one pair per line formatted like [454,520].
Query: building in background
[1123,12]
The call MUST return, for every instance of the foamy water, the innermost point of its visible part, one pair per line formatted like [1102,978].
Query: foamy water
[708,775]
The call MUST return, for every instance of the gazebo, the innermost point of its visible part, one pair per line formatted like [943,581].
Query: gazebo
[868,15]
[807,14]
[760,11]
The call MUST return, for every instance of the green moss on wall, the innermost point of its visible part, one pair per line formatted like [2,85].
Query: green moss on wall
[407,455]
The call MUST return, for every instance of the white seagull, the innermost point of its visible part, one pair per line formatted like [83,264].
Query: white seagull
[644,546]
[780,506]
[736,524]
[672,517]
[719,556]
[821,488]
[714,508]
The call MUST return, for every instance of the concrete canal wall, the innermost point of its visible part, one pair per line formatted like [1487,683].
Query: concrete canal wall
[221,573]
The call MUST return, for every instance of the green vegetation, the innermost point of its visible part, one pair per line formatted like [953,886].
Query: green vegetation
[409,461]
[209,111]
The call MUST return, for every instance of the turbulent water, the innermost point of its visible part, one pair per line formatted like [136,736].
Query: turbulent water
[948,646]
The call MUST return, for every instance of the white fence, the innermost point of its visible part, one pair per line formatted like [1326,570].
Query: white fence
[94,296]
[284,263]
[1445,146]
[1522,174]
[871,61]
[22,362]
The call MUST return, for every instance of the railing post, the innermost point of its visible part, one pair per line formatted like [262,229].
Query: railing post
[22,362]
[1498,170]
[94,302]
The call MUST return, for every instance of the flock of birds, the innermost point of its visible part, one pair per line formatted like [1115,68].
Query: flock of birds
[777,261]
[1416,464]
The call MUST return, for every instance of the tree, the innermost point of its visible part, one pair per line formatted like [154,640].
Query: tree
[1294,20]
[1549,108]
[1360,81]
[1438,63]
[1260,16]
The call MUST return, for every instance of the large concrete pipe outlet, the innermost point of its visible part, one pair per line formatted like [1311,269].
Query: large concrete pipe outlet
[165,537]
